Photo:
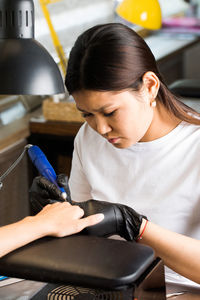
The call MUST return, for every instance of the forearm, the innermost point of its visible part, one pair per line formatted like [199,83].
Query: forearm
[178,252]
[19,234]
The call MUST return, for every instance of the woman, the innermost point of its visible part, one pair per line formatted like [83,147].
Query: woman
[51,220]
[139,146]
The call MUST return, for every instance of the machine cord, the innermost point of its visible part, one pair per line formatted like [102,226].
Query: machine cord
[16,162]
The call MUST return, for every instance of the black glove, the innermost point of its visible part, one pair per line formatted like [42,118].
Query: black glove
[118,219]
[43,192]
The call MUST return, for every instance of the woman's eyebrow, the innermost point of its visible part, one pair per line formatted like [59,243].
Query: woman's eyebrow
[96,110]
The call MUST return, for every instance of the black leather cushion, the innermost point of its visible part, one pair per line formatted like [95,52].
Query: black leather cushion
[79,260]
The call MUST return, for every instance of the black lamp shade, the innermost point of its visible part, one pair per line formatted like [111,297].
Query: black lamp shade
[26,67]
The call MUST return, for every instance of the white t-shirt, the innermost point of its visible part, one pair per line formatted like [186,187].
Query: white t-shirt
[159,179]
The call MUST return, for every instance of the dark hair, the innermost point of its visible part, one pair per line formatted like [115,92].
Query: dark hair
[113,57]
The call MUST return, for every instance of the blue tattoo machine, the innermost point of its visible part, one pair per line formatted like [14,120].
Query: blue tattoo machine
[44,167]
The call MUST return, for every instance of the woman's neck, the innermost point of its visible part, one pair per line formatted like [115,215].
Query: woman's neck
[163,122]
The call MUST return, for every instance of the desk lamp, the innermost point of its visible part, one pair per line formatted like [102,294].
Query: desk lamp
[146,13]
[26,67]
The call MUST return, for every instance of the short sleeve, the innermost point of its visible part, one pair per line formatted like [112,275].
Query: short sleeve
[78,183]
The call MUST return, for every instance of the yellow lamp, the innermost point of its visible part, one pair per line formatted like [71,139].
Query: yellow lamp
[146,13]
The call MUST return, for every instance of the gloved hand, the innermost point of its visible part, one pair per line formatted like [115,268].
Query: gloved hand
[118,219]
[43,192]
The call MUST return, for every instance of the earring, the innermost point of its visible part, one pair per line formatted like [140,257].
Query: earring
[153,103]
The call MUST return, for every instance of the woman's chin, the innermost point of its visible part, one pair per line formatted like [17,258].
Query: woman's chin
[123,145]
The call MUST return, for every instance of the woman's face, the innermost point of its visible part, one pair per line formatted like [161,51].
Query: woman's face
[122,118]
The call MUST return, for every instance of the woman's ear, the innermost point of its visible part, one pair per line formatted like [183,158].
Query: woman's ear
[151,84]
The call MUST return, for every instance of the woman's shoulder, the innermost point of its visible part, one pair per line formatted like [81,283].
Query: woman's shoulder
[88,135]
[192,128]
[191,134]
[85,131]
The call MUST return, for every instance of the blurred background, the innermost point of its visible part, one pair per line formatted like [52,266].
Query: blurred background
[71,17]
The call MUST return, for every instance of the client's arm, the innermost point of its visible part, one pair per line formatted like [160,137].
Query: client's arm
[58,219]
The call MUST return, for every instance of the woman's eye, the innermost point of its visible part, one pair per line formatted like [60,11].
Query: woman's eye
[109,114]
[85,115]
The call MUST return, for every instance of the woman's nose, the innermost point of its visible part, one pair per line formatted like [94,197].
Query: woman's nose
[102,126]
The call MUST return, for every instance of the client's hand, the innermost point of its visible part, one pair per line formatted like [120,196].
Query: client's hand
[61,219]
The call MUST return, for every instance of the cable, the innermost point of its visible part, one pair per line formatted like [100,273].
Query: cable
[16,162]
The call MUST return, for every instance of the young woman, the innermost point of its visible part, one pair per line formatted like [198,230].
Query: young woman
[51,220]
[139,146]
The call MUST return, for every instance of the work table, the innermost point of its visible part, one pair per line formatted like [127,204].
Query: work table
[164,46]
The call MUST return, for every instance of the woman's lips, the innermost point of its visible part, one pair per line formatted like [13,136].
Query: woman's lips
[113,140]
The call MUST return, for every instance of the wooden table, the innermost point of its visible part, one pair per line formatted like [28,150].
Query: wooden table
[54,128]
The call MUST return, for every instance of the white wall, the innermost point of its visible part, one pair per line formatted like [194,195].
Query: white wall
[170,7]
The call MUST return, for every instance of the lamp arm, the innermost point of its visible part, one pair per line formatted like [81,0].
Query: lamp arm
[54,36]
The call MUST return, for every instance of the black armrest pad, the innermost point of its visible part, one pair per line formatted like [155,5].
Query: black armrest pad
[79,260]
